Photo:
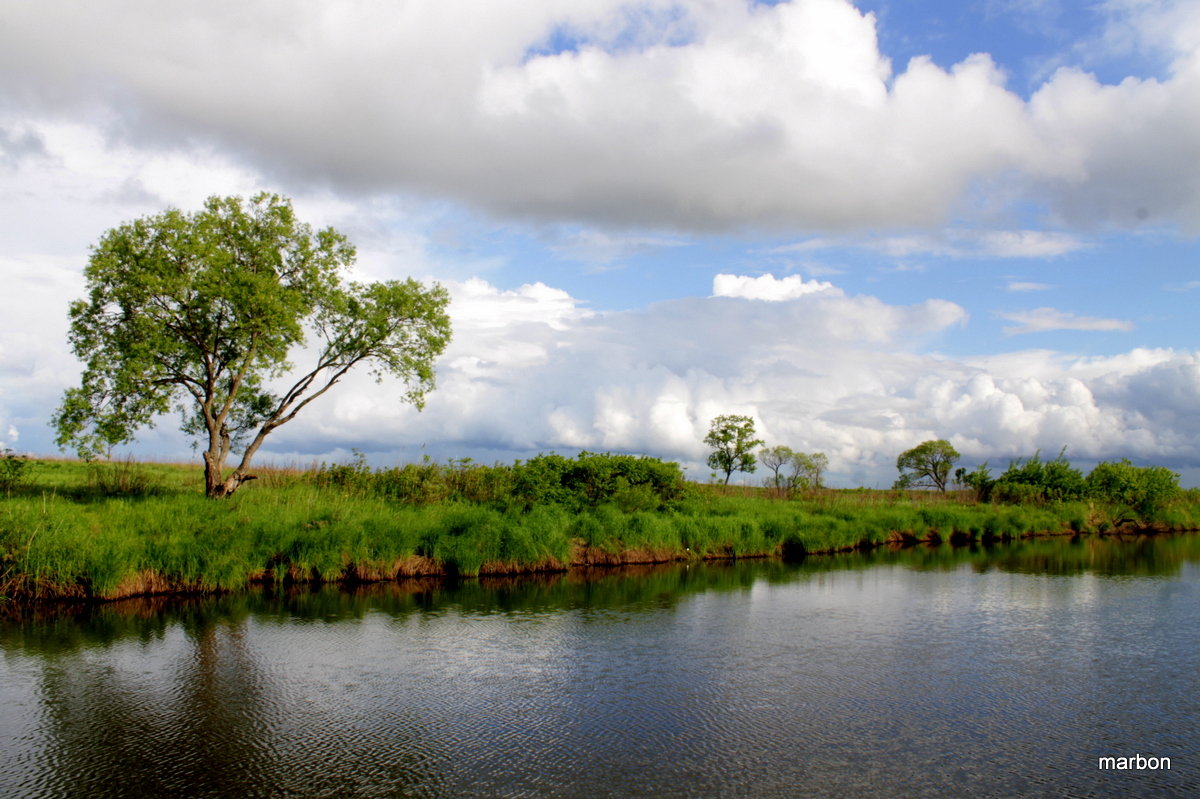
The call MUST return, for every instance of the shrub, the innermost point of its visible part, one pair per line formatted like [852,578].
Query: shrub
[353,477]
[14,470]
[593,479]
[980,481]
[1146,490]
[1033,479]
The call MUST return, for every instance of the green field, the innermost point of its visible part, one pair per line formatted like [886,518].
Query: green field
[111,530]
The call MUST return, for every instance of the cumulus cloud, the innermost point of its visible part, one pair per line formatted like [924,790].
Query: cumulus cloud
[821,371]
[768,287]
[696,117]
[34,360]
[1164,28]
[612,124]
[1041,320]
[531,370]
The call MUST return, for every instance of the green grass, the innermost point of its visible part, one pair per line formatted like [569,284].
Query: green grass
[110,530]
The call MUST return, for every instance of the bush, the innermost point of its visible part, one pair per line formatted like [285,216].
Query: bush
[1146,490]
[980,481]
[1015,493]
[1033,480]
[14,470]
[353,477]
[593,479]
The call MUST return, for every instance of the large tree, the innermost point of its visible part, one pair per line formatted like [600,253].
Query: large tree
[733,442]
[200,311]
[926,465]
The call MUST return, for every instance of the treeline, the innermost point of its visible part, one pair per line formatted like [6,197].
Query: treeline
[632,483]
[1142,489]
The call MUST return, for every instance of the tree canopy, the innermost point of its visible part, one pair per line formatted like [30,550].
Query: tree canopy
[926,465]
[791,470]
[733,442]
[199,312]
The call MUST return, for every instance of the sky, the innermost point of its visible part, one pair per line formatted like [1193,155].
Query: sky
[864,225]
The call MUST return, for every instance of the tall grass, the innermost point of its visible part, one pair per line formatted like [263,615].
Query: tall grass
[145,528]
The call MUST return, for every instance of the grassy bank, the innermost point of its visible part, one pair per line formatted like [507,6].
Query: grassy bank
[115,530]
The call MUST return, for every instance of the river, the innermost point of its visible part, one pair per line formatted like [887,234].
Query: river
[934,672]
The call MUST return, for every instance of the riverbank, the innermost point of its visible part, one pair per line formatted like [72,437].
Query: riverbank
[66,536]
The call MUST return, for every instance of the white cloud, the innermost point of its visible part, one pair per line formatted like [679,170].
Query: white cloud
[1028,244]
[531,370]
[35,362]
[954,243]
[699,116]
[843,375]
[768,287]
[602,248]
[1163,28]
[1041,320]
[9,442]
[1026,285]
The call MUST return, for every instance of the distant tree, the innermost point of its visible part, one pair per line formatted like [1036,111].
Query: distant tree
[809,467]
[198,312]
[775,459]
[791,470]
[733,442]
[926,465]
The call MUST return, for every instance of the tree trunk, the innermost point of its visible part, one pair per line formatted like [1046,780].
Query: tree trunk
[215,484]
[232,483]
[212,475]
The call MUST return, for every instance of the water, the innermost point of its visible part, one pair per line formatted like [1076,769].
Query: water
[922,673]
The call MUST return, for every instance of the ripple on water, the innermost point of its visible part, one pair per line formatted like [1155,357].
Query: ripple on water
[884,682]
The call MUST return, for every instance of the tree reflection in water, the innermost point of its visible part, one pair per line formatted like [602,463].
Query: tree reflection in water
[430,688]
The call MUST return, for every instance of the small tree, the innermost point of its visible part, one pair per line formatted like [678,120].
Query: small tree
[980,481]
[197,312]
[809,467]
[733,442]
[926,465]
[775,458]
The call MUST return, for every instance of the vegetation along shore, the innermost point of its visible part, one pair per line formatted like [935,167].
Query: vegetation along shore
[201,312]
[99,531]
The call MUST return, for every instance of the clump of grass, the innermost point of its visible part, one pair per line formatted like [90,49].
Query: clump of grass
[123,478]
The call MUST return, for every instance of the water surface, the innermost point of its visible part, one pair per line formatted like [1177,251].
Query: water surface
[929,672]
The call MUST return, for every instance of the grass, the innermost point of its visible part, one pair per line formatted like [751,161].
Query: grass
[105,531]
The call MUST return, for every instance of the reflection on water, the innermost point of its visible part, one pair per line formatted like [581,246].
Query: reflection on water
[929,671]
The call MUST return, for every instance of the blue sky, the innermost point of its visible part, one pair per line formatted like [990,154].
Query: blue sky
[863,224]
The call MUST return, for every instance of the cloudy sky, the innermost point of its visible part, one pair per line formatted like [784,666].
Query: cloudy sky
[864,224]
